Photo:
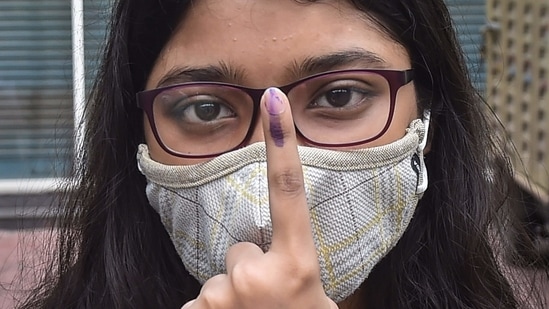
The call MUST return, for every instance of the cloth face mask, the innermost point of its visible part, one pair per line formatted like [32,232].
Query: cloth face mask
[360,202]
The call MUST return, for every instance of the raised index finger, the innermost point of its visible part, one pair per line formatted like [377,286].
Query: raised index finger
[288,204]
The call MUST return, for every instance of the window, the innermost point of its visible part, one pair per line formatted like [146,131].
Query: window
[37,94]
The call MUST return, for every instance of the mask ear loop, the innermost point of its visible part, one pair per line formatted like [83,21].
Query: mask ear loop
[422,185]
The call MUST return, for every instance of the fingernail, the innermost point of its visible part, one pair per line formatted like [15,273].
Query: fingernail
[273,102]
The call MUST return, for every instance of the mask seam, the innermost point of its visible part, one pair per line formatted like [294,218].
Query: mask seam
[383,171]
[355,223]
[209,216]
[197,226]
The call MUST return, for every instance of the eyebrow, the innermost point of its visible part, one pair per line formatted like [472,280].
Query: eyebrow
[357,57]
[222,72]
[225,72]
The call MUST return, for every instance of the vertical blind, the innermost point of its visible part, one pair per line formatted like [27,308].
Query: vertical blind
[469,18]
[36,105]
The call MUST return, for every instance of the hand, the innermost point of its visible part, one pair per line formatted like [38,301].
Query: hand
[288,275]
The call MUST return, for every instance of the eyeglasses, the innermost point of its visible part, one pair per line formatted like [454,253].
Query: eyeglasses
[332,109]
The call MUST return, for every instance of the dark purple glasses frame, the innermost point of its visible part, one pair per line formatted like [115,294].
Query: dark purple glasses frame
[395,78]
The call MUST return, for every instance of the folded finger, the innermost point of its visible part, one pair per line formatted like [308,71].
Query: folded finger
[188,304]
[241,253]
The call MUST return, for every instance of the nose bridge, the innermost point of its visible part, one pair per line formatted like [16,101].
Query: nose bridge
[257,131]
[256,128]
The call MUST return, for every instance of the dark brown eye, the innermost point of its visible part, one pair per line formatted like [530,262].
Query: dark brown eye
[338,97]
[200,109]
[207,111]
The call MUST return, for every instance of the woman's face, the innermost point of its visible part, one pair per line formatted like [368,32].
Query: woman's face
[266,43]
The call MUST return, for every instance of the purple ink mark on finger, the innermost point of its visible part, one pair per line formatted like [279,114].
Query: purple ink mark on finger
[275,107]
[275,127]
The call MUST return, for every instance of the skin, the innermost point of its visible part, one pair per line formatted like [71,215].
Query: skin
[265,44]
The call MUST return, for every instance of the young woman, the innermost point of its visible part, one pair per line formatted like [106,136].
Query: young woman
[364,89]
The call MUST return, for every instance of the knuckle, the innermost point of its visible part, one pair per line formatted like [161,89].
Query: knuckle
[244,279]
[303,275]
[212,291]
[289,181]
[309,272]
[212,298]
[300,282]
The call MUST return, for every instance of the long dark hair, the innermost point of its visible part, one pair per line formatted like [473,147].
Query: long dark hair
[113,251]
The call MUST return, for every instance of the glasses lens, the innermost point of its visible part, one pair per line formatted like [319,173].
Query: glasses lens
[202,119]
[341,108]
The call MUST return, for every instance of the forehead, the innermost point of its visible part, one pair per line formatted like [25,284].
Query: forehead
[264,39]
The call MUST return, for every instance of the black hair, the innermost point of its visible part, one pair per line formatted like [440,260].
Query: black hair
[113,251]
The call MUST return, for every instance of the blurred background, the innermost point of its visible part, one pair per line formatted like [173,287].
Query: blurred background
[49,51]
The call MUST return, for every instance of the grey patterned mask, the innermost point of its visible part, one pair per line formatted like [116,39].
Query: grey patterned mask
[360,203]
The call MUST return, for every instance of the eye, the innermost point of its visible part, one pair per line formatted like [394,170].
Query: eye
[201,109]
[338,97]
[343,94]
